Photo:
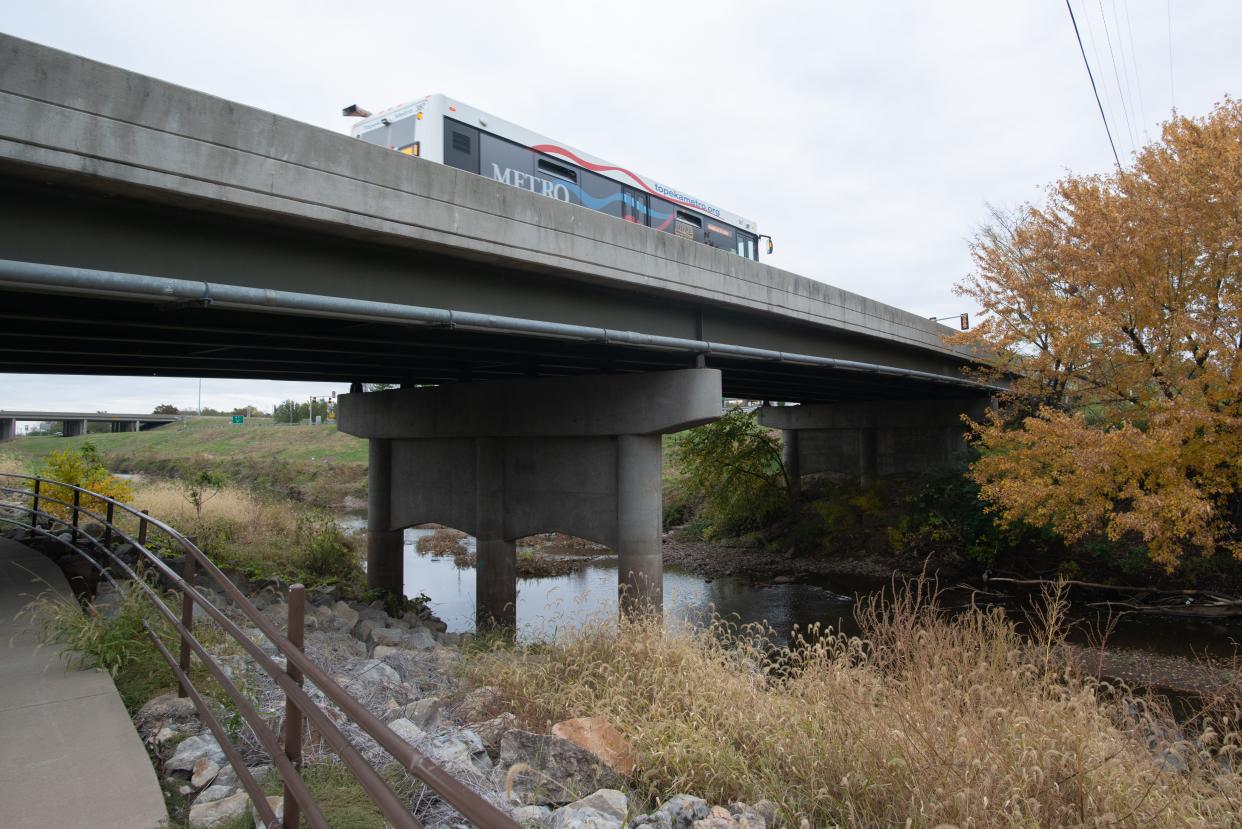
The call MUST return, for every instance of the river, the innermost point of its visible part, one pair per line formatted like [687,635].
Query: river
[546,605]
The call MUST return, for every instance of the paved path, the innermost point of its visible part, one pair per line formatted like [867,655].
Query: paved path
[69,755]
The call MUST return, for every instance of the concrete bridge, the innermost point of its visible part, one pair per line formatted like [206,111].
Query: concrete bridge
[74,423]
[150,229]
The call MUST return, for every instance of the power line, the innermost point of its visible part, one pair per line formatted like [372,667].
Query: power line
[1138,79]
[1094,89]
[1112,56]
[1168,8]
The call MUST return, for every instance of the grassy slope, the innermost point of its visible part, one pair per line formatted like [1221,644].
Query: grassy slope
[314,463]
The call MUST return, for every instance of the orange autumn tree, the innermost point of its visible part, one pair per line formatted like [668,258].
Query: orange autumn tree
[1114,308]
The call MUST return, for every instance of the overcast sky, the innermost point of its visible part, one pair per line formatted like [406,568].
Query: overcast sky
[867,138]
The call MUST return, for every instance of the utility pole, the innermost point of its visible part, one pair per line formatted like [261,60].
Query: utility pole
[200,397]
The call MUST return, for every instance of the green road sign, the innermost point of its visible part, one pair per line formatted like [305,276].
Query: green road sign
[239,418]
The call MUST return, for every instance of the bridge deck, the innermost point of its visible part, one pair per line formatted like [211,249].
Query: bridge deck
[69,755]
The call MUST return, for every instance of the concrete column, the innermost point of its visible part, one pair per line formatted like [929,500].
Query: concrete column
[789,457]
[640,556]
[496,557]
[128,426]
[8,429]
[385,546]
[73,428]
[866,456]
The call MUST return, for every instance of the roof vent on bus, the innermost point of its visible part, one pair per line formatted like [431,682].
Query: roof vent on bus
[355,111]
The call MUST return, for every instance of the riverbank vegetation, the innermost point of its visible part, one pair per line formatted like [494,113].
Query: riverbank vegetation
[1114,309]
[931,719]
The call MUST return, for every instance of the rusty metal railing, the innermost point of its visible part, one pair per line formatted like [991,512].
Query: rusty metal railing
[60,506]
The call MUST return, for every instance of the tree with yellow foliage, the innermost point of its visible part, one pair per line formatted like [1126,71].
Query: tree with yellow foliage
[85,469]
[1114,310]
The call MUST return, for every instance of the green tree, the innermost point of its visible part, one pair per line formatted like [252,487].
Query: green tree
[166,409]
[735,464]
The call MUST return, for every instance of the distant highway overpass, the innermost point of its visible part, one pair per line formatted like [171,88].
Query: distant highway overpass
[74,423]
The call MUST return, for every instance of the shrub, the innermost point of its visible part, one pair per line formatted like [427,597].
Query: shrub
[81,468]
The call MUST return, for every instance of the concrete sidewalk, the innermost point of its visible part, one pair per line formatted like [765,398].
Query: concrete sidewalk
[69,755]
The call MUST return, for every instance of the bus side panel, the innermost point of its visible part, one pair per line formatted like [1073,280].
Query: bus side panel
[461,146]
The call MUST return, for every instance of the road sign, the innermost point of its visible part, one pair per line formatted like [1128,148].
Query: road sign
[239,418]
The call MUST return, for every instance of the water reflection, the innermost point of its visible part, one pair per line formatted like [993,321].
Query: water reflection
[547,605]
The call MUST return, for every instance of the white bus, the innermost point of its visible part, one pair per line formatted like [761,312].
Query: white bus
[449,132]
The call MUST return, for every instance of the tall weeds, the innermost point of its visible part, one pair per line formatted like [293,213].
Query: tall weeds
[929,720]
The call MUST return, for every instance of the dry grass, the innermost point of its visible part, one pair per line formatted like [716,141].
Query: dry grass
[932,721]
[252,519]
[442,542]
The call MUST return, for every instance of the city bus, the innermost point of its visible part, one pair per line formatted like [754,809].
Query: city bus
[446,131]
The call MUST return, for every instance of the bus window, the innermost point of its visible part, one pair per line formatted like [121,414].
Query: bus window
[720,236]
[660,214]
[634,205]
[747,245]
[602,194]
[688,226]
[461,146]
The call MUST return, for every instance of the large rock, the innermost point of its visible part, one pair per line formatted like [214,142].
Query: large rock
[222,812]
[216,791]
[373,673]
[542,769]
[424,713]
[388,637]
[278,806]
[190,751]
[204,771]
[419,639]
[718,818]
[408,731]
[597,735]
[347,615]
[678,812]
[608,801]
[492,730]
[166,711]
[568,817]
[532,817]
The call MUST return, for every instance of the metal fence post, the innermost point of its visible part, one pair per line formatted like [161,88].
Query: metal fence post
[293,715]
[34,504]
[77,504]
[108,526]
[142,529]
[187,616]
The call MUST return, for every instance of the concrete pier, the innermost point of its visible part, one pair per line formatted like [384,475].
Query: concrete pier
[8,429]
[868,440]
[73,428]
[506,459]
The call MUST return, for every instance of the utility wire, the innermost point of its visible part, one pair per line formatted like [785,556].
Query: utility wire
[1138,79]
[1121,92]
[1094,89]
[1168,8]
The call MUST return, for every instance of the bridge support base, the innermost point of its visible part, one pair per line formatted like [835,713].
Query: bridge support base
[867,440]
[124,426]
[73,428]
[506,459]
[8,429]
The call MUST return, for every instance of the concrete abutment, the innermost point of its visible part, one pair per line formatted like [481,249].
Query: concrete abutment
[868,440]
[506,459]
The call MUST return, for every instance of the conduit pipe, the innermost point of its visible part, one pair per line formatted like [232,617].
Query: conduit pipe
[59,278]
